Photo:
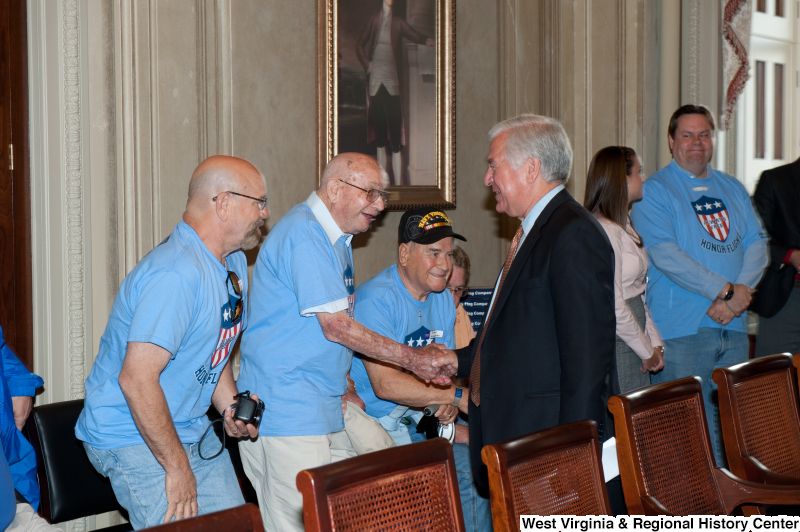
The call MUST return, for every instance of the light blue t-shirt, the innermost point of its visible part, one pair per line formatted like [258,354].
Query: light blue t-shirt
[286,359]
[177,297]
[713,222]
[386,307]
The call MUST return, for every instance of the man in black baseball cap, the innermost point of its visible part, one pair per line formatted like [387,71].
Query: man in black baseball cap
[408,303]
[424,225]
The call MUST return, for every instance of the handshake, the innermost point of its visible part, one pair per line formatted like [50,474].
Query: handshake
[434,362]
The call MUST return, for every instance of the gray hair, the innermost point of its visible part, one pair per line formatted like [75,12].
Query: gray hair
[539,137]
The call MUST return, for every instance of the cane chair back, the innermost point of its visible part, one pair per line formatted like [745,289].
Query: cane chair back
[758,403]
[244,518]
[402,488]
[665,456]
[557,471]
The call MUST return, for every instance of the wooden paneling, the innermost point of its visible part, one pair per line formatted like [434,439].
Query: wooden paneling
[778,119]
[16,314]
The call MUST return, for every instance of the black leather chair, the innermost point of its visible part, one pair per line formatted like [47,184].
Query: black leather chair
[71,487]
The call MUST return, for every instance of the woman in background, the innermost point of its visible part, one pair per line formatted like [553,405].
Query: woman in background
[614,182]
[458,286]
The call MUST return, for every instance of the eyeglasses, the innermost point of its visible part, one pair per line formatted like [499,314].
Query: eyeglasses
[460,292]
[235,300]
[262,202]
[372,195]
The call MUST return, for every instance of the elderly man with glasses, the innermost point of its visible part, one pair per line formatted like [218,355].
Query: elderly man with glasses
[298,349]
[163,357]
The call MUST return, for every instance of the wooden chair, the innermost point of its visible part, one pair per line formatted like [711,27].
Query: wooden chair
[411,486]
[758,406]
[665,456]
[245,518]
[796,363]
[558,471]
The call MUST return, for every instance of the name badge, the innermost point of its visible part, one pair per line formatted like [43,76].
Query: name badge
[436,334]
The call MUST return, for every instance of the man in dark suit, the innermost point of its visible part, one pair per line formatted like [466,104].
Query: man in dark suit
[777,300]
[544,356]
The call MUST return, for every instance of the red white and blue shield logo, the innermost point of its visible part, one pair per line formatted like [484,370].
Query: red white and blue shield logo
[713,216]
[227,336]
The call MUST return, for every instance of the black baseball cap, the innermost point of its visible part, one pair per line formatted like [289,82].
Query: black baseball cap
[425,226]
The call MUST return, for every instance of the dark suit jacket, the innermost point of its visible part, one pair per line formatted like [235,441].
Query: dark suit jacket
[777,200]
[548,357]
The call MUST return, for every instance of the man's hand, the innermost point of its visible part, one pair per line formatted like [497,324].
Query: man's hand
[742,296]
[22,406]
[655,363]
[719,312]
[181,490]
[794,258]
[434,363]
[238,428]
[350,395]
[462,434]
[446,414]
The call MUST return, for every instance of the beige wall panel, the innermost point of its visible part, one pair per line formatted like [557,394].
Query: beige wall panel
[176,123]
[274,109]
[606,80]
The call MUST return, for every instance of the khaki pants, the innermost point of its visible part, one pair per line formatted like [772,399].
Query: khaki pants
[272,464]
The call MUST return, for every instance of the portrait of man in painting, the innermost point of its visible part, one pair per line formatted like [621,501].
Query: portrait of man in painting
[387,85]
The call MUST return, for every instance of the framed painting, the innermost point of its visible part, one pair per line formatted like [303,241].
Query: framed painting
[386,87]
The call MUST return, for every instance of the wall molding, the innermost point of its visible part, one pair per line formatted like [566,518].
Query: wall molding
[73,156]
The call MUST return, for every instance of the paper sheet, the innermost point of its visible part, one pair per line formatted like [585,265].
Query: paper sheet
[610,464]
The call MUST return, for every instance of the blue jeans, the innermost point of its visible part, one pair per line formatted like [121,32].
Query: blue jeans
[477,513]
[699,354]
[138,480]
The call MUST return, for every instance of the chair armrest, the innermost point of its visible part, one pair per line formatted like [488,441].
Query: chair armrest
[758,472]
[736,491]
[651,506]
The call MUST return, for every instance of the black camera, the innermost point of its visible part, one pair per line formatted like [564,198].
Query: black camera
[247,410]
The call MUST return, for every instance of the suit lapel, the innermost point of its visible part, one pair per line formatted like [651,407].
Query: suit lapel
[522,253]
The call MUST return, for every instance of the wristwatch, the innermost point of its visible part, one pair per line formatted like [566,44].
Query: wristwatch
[728,295]
[457,398]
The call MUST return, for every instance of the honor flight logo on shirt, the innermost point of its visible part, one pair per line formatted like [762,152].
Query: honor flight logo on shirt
[422,336]
[713,216]
[351,290]
[227,336]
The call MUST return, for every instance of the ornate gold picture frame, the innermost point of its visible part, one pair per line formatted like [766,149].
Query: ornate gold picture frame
[373,58]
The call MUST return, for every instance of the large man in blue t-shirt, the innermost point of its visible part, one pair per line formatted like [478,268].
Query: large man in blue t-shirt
[164,355]
[707,252]
[408,302]
[297,351]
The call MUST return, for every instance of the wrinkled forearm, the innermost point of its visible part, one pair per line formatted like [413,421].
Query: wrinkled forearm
[340,328]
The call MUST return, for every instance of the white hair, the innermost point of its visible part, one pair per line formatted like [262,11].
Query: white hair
[539,137]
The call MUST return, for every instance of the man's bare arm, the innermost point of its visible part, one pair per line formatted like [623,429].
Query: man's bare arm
[393,384]
[431,363]
[138,381]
